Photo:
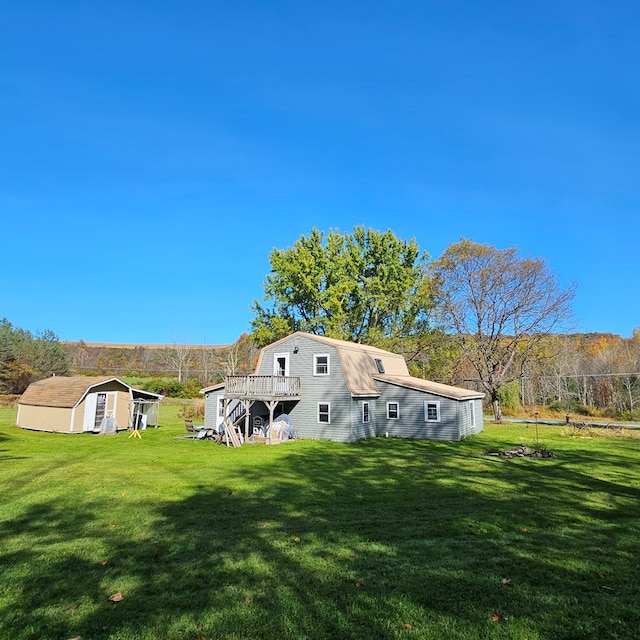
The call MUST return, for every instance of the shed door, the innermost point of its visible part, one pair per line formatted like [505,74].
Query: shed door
[89,418]
[99,411]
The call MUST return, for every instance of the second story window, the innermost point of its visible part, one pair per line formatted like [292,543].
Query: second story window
[380,365]
[321,364]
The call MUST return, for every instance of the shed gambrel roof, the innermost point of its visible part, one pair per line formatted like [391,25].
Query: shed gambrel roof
[68,391]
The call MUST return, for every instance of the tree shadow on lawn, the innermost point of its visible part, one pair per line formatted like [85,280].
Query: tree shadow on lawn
[5,437]
[352,545]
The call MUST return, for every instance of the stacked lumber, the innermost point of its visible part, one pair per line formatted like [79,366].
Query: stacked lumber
[232,435]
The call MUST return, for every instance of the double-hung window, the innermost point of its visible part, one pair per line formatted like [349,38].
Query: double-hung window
[321,364]
[324,412]
[365,412]
[393,410]
[431,411]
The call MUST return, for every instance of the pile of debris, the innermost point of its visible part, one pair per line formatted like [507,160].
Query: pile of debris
[523,451]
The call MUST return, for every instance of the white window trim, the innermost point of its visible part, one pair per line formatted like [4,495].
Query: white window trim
[315,364]
[328,413]
[426,410]
[368,416]
[472,409]
[397,411]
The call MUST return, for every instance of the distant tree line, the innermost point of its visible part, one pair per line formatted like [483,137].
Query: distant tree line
[589,374]
[199,365]
[25,357]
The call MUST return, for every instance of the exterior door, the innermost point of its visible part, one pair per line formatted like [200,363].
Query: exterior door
[99,411]
[280,370]
[281,364]
[89,418]
[219,413]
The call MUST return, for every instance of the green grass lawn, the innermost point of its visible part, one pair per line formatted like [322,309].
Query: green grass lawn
[381,539]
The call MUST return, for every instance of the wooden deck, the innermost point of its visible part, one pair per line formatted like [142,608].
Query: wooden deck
[262,387]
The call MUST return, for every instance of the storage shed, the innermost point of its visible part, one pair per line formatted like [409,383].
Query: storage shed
[78,404]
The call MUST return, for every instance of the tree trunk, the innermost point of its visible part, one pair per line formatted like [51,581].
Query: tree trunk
[497,411]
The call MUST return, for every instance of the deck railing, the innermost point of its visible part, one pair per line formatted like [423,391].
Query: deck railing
[261,386]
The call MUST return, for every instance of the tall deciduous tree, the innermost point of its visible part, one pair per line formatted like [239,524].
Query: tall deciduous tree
[501,306]
[366,286]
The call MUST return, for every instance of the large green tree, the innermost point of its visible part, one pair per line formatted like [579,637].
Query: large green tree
[501,306]
[367,286]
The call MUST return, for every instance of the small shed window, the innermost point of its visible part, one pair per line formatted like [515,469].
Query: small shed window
[324,412]
[365,412]
[380,365]
[321,364]
[393,410]
[432,411]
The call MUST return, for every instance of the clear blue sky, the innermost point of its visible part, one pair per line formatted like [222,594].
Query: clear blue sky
[153,153]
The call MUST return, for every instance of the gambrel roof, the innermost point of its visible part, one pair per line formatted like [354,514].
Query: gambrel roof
[68,391]
[360,369]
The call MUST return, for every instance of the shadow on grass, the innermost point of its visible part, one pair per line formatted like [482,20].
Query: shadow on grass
[432,540]
[7,454]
